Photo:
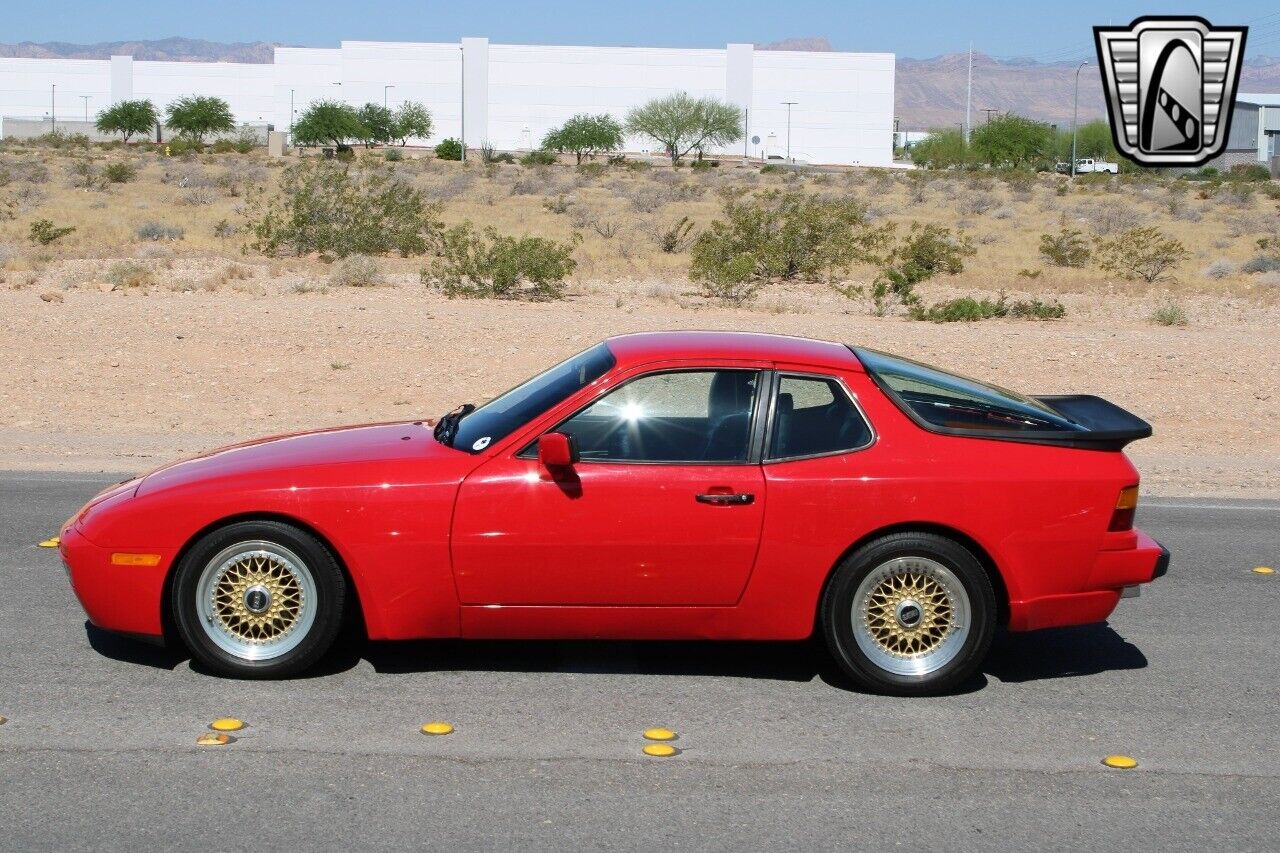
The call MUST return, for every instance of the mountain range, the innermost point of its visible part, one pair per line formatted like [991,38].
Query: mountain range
[929,93]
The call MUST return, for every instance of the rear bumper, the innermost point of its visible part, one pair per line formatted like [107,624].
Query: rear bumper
[1111,572]
[126,599]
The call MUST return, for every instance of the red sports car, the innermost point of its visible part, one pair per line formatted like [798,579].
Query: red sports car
[676,485]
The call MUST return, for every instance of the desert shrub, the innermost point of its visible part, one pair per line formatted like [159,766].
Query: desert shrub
[606,229]
[242,143]
[60,139]
[538,158]
[1271,191]
[593,170]
[1067,248]
[703,165]
[449,149]
[1169,314]
[119,173]
[485,263]
[976,203]
[1250,172]
[44,232]
[677,237]
[928,250]
[341,210]
[1219,269]
[966,309]
[182,147]
[393,155]
[86,176]
[560,204]
[130,274]
[1141,253]
[1261,264]
[783,236]
[153,230]
[773,169]
[355,271]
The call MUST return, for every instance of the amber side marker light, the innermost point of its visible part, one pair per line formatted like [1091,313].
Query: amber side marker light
[1126,506]
[135,559]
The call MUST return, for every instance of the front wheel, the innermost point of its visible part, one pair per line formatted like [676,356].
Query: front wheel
[910,614]
[258,599]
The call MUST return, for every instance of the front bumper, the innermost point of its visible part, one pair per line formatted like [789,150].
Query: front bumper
[117,598]
[1112,571]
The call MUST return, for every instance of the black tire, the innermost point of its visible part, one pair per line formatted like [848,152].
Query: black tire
[329,600]
[836,614]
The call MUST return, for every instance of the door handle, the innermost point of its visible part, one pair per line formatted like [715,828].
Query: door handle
[738,499]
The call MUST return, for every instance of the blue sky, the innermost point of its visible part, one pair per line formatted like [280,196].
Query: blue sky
[920,28]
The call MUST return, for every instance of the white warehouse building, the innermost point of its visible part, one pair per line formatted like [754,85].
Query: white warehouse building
[504,95]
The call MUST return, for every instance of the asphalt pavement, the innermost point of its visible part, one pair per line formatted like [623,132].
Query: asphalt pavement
[777,752]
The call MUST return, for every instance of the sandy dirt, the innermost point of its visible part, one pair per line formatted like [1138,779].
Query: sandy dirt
[124,382]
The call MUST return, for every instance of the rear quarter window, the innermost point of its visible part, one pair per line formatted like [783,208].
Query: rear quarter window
[947,402]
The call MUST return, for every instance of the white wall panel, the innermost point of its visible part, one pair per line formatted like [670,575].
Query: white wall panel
[26,87]
[247,88]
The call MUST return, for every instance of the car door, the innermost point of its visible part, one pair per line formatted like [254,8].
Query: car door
[664,507]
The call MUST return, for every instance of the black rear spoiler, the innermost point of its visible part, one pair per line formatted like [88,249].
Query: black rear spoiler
[1108,427]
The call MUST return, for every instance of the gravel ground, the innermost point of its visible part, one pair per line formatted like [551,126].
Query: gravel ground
[124,381]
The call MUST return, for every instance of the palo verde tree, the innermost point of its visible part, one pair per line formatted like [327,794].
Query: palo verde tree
[127,118]
[379,123]
[412,120]
[585,136]
[1012,141]
[682,123]
[941,149]
[330,123]
[196,117]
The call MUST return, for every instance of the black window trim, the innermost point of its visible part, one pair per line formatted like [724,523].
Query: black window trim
[755,432]
[776,385]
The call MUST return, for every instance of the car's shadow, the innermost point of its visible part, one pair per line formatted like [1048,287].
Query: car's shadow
[1039,655]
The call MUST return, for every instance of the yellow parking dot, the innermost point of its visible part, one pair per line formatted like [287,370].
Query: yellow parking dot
[659,734]
[660,750]
[437,728]
[1121,762]
[51,542]
[1264,570]
[213,740]
[227,724]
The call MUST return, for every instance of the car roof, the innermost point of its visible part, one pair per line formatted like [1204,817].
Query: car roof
[642,347]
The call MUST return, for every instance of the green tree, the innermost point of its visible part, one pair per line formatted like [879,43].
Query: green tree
[329,123]
[379,124]
[1012,140]
[1093,139]
[128,118]
[585,135]
[682,123]
[196,117]
[449,149]
[411,120]
[943,149]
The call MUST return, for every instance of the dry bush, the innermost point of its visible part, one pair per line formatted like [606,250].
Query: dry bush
[130,274]
[355,271]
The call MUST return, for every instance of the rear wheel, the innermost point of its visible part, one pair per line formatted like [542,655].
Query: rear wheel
[910,614]
[258,599]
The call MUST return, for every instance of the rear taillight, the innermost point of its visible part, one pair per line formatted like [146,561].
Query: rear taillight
[1126,506]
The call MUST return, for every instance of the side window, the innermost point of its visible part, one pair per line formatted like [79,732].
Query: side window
[681,416]
[814,415]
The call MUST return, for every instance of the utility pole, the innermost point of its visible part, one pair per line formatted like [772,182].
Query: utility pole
[1075,111]
[789,104]
[462,103]
[53,107]
[968,98]
[291,114]
[746,132]
[85,98]
[988,111]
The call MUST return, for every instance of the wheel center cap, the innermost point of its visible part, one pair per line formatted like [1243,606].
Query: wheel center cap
[257,599]
[909,613]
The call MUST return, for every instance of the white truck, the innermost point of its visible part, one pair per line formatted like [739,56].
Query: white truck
[1085,165]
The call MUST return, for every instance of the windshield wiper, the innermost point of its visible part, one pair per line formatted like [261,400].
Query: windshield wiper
[447,427]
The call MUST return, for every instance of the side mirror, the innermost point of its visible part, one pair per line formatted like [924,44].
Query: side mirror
[557,450]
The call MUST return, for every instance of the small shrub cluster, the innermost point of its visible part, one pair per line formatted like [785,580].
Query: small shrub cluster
[1169,314]
[538,158]
[157,231]
[774,235]
[130,274]
[928,251]
[966,309]
[342,210]
[1067,248]
[1142,253]
[449,149]
[44,232]
[676,238]
[485,263]
[119,173]
[355,271]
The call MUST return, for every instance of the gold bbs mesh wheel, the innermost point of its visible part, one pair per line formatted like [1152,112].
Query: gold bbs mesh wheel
[256,600]
[910,615]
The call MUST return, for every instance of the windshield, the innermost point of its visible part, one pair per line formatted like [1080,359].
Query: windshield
[946,400]
[476,430]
